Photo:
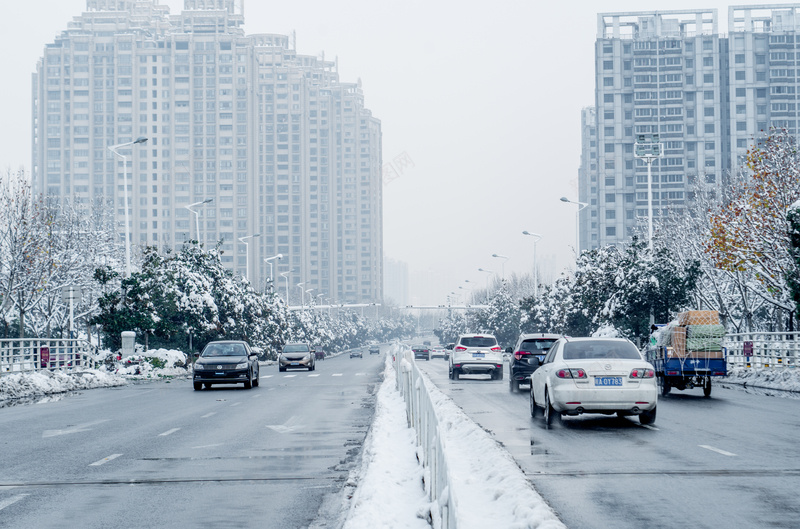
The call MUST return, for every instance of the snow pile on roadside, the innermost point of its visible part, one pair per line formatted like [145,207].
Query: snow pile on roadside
[389,493]
[145,365]
[488,486]
[785,378]
[35,384]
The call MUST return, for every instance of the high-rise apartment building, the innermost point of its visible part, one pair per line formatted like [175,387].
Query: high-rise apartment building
[705,95]
[288,153]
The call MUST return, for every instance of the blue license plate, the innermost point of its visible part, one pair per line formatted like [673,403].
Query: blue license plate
[478,355]
[295,363]
[608,381]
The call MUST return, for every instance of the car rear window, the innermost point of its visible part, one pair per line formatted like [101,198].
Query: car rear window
[478,341]
[600,349]
[537,346]
[227,349]
[295,348]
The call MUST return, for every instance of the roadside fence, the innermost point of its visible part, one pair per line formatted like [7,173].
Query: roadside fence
[763,349]
[422,417]
[36,354]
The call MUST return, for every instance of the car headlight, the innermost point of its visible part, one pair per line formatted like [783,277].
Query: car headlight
[243,365]
[199,367]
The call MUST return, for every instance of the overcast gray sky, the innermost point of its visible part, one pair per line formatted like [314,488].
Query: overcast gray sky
[484,98]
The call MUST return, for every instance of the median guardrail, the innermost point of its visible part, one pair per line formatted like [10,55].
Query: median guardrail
[422,417]
[36,354]
[763,349]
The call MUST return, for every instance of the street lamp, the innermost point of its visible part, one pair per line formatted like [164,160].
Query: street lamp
[302,299]
[285,275]
[648,151]
[503,265]
[580,205]
[197,216]
[465,293]
[487,280]
[536,238]
[268,260]
[113,149]
[309,297]
[247,252]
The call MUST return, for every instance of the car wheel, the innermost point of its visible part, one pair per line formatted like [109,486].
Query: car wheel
[664,385]
[198,386]
[281,369]
[499,371]
[256,381]
[513,384]
[456,373]
[707,387]
[549,412]
[648,417]
[450,373]
[534,407]
[249,382]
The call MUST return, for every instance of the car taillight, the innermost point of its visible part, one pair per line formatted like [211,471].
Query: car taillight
[496,349]
[519,354]
[571,373]
[640,372]
[459,348]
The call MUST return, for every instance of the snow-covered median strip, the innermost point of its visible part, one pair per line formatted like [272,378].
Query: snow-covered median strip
[39,383]
[389,493]
[488,486]
[784,378]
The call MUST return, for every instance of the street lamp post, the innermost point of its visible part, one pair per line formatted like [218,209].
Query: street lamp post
[309,297]
[488,272]
[302,298]
[503,265]
[649,151]
[536,238]
[114,149]
[580,205]
[269,260]
[247,252]
[197,216]
[285,275]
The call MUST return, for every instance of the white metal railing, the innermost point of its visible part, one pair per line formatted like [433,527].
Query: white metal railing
[35,354]
[763,349]
[422,417]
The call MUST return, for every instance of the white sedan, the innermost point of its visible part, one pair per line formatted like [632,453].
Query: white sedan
[594,375]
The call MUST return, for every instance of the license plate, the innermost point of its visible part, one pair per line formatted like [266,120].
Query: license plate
[295,363]
[478,355]
[608,381]
[219,374]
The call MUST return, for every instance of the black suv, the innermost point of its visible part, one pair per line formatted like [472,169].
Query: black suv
[226,362]
[528,346]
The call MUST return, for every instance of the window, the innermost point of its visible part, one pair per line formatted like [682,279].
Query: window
[608,65]
[739,58]
[708,78]
[708,111]
[611,231]
[610,198]
[708,61]
[608,81]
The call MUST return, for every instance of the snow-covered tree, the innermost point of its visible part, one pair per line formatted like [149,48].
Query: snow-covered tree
[502,317]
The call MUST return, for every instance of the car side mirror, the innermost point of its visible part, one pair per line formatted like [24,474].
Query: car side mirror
[534,361]
[197,354]
[509,350]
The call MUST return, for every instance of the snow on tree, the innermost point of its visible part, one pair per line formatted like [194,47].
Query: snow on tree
[750,229]
[502,317]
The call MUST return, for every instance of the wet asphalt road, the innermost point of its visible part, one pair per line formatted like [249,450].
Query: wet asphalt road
[725,462]
[159,454]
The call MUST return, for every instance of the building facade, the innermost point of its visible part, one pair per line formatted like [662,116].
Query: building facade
[705,96]
[248,143]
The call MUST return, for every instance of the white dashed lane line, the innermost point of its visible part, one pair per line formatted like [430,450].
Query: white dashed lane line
[235,404]
[168,432]
[289,376]
[314,375]
[105,460]
[207,415]
[717,450]
[336,375]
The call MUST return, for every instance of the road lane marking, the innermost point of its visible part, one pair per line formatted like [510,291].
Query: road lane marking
[235,404]
[266,376]
[649,427]
[360,374]
[207,415]
[336,375]
[289,376]
[257,395]
[74,429]
[314,375]
[105,460]
[168,432]
[717,450]
[287,427]
[206,446]
[12,500]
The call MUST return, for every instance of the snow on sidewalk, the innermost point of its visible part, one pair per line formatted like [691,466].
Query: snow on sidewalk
[488,486]
[40,383]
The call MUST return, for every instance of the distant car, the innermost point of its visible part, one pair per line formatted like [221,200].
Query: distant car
[356,353]
[594,375]
[476,354]
[319,353]
[297,356]
[226,362]
[374,350]
[527,346]
[421,351]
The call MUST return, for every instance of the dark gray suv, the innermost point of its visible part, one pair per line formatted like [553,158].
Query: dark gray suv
[528,346]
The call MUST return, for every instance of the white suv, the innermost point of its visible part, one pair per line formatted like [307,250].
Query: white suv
[476,354]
